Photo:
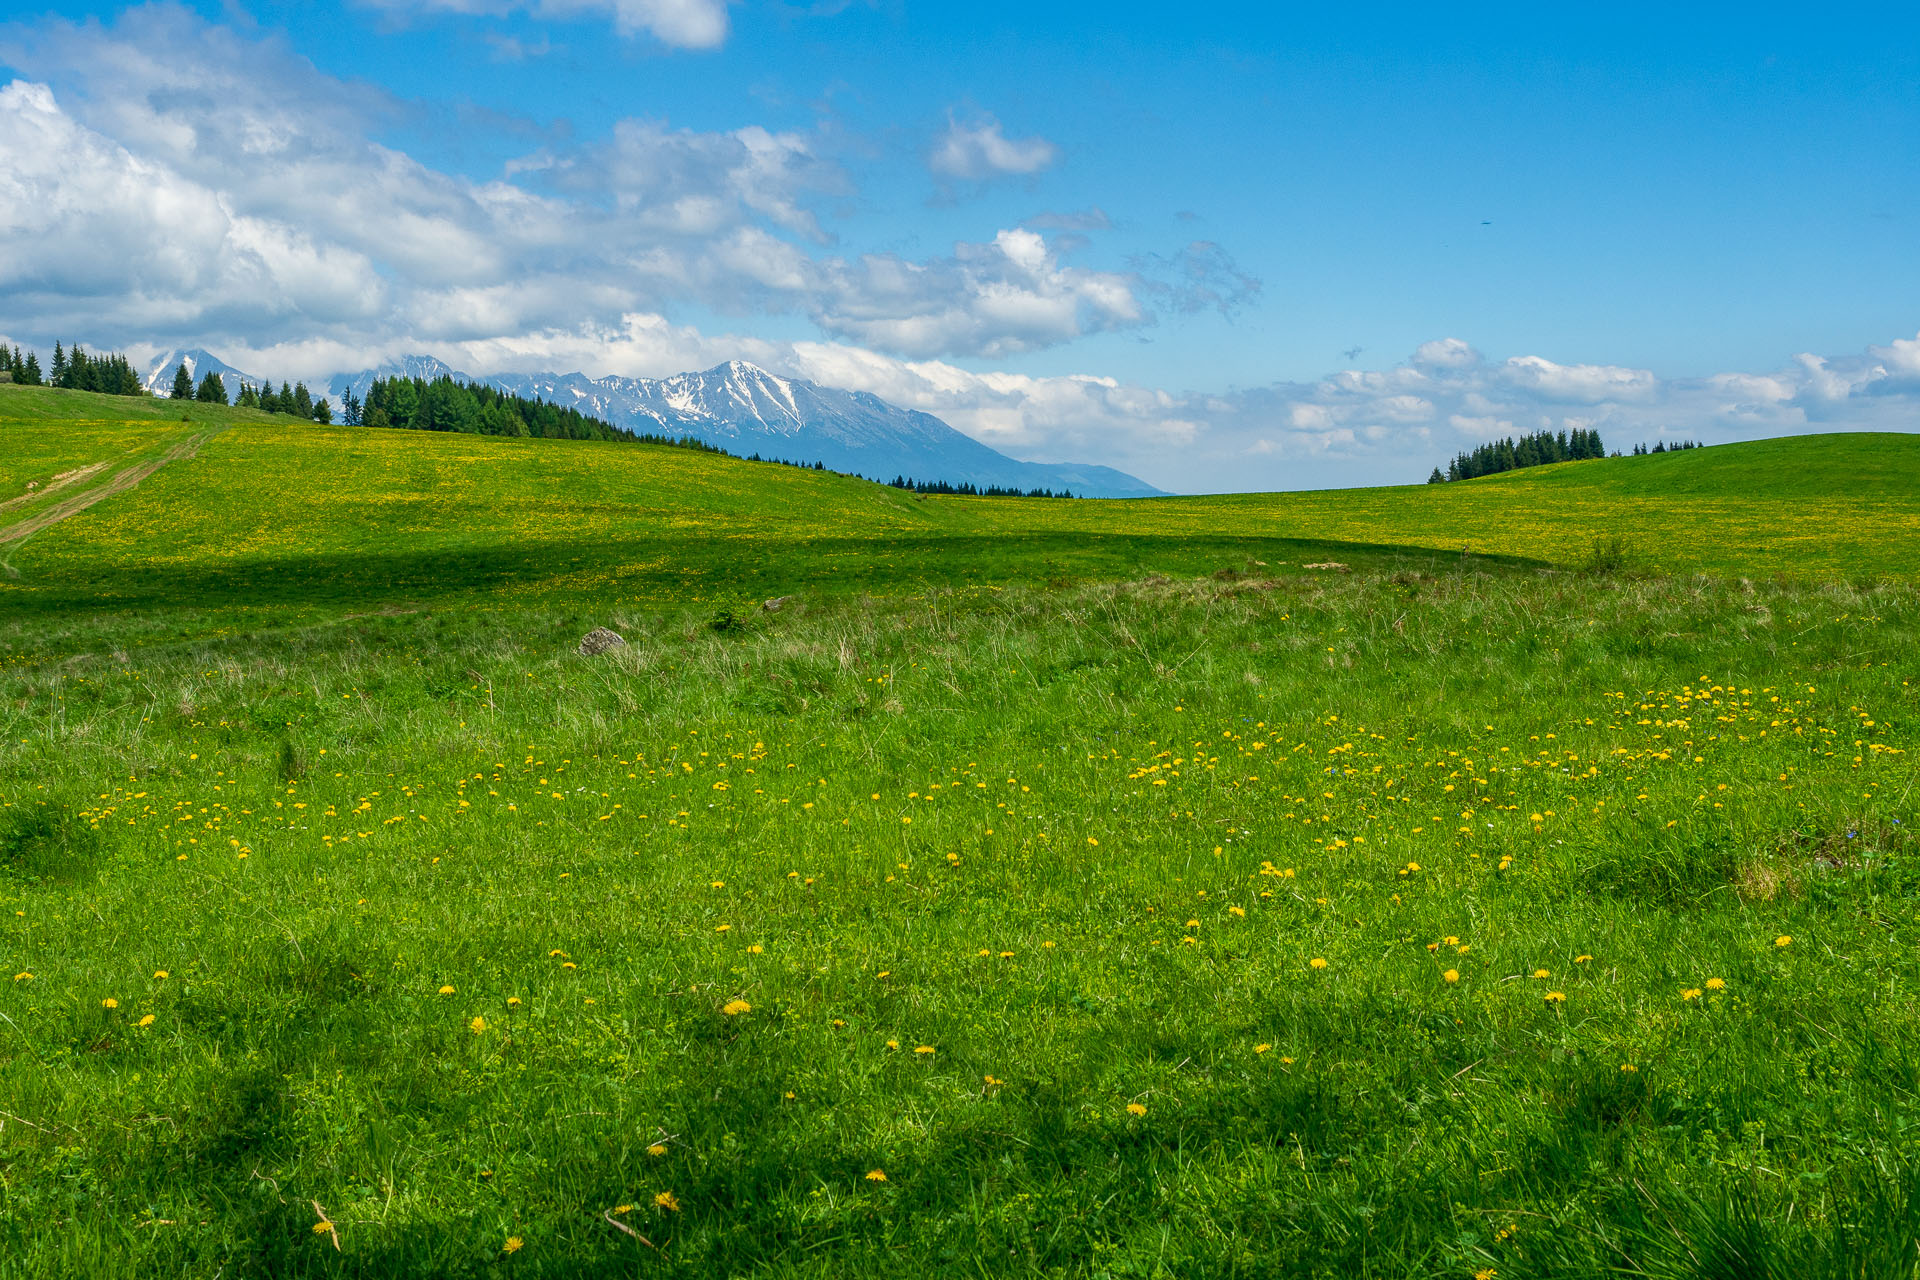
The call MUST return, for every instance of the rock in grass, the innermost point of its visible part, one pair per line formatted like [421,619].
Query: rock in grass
[775,605]
[598,641]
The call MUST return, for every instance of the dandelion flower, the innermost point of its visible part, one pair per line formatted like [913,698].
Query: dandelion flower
[512,1245]
[513,1002]
[1452,976]
[160,974]
[1236,911]
[1691,993]
[1317,963]
[1716,984]
[893,1044]
[446,991]
[147,1021]
[1582,959]
[657,1149]
[1629,1068]
[1541,973]
[110,1003]
[924,1048]
[666,1200]
[1783,940]
[1136,1109]
[755,949]
[1262,1048]
[1555,997]
[734,1008]
[478,1025]
[22,977]
[876,1175]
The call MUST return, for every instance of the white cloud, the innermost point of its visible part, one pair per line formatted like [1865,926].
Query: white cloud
[682,24]
[978,151]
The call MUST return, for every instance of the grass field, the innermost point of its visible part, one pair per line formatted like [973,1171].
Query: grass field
[1078,889]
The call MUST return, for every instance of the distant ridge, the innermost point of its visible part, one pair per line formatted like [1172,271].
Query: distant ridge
[745,410]
[158,379]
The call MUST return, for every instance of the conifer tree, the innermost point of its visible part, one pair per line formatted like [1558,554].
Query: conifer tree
[322,411]
[212,389]
[182,383]
[302,401]
[33,369]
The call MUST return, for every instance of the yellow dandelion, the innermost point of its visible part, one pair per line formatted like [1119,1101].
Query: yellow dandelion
[512,1245]
[734,1008]
[755,949]
[721,928]
[1262,1048]
[924,1048]
[1629,1068]
[1136,1109]
[893,1044]
[160,974]
[1286,1062]
[1783,940]
[147,1021]
[22,977]
[1541,973]
[1691,993]
[657,1149]
[446,991]
[478,1025]
[666,1200]
[513,1002]
[1555,997]
[1716,984]
[1452,976]
[110,1003]
[1236,911]
[1582,959]
[876,1175]
[1317,963]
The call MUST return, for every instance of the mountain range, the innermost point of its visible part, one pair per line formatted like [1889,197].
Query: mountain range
[745,410]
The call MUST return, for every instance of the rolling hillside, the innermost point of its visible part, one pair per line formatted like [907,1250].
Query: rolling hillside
[267,510]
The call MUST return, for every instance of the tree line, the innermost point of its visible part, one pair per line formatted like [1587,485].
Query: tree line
[74,370]
[295,401]
[1535,450]
[970,490]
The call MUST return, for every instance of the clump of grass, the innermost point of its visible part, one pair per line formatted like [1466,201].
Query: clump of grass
[48,842]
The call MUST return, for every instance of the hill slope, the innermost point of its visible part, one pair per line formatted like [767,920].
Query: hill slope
[270,510]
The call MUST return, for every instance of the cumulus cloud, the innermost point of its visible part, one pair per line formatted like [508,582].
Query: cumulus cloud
[681,24]
[978,151]
[239,188]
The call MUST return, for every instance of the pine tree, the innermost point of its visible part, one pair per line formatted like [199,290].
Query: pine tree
[350,408]
[33,369]
[58,375]
[212,389]
[182,383]
[322,411]
[1436,477]
[302,401]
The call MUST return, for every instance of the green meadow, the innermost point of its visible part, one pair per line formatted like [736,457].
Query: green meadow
[1513,878]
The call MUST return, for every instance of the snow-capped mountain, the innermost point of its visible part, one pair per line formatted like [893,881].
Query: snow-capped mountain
[158,379]
[746,410]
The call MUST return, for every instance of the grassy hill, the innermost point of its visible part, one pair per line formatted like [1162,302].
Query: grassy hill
[274,512]
[1140,909]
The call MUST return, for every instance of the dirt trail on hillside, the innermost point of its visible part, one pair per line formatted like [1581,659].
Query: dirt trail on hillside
[121,482]
[65,480]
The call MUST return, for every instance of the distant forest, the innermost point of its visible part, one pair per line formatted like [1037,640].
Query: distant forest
[972,490]
[1537,450]
[415,404]
[72,371]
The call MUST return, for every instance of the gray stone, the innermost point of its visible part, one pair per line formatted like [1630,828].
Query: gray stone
[598,641]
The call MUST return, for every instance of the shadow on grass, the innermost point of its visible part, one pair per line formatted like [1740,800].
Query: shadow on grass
[682,569]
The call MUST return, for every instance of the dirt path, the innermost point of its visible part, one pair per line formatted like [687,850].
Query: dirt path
[122,481]
[66,479]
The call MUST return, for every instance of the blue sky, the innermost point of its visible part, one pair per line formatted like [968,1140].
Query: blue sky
[1218,246]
